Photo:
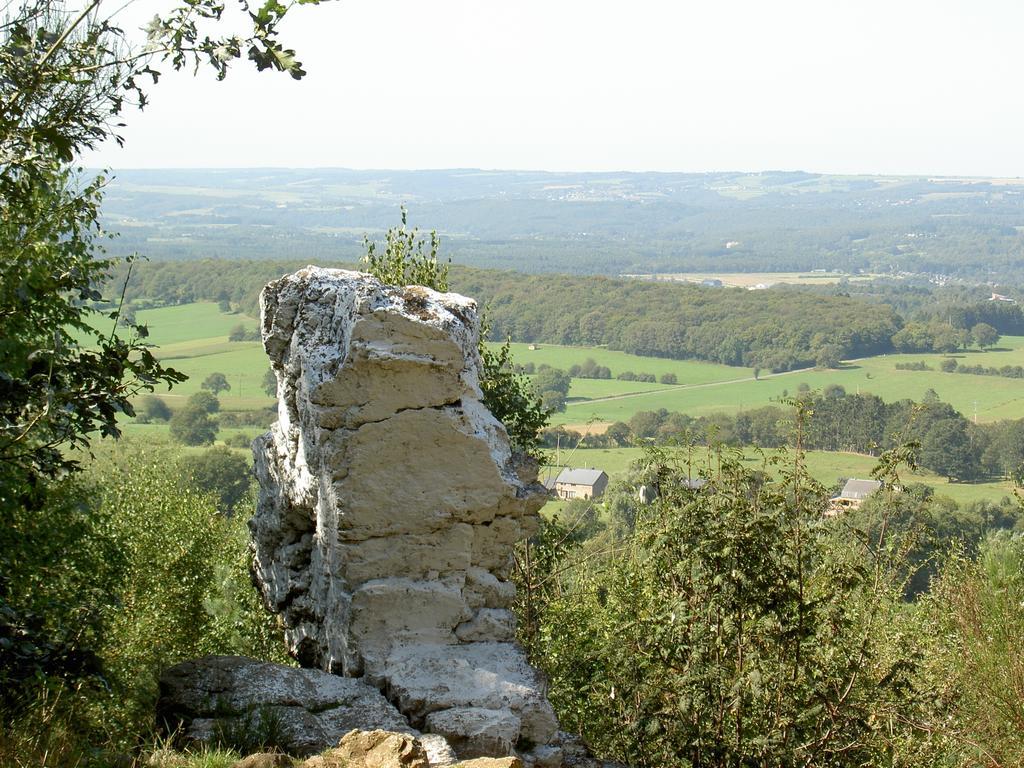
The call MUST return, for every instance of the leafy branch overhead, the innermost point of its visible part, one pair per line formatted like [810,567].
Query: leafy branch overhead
[68,74]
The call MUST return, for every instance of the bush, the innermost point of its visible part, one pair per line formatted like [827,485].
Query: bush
[262,418]
[147,574]
[154,409]
[192,425]
[975,620]
[239,440]
[722,629]
[220,472]
[185,590]
[669,378]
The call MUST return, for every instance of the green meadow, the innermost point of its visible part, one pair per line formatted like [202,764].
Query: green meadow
[826,467]
[707,387]
[193,339]
[687,371]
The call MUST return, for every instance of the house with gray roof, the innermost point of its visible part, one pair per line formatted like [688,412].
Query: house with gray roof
[854,493]
[581,483]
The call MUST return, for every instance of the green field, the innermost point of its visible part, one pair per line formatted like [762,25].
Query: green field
[826,467]
[687,371]
[190,323]
[707,387]
[193,339]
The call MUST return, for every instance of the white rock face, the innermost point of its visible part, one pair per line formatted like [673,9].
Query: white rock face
[390,502]
[313,709]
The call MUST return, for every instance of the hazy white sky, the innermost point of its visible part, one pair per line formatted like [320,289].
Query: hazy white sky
[845,86]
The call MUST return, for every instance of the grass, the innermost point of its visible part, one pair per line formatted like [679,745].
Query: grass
[824,466]
[707,387]
[193,339]
[190,323]
[687,371]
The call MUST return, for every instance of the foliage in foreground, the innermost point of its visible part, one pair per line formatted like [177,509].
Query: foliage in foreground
[975,653]
[736,625]
[137,573]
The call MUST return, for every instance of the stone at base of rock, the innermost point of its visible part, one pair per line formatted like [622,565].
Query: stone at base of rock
[208,698]
[544,756]
[491,762]
[264,760]
[476,732]
[373,749]
[496,676]
[439,751]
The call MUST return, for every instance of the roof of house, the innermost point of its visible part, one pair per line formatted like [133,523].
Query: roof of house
[859,489]
[580,476]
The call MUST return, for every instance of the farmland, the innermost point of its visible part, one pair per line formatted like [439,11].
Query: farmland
[753,279]
[826,467]
[193,339]
[706,388]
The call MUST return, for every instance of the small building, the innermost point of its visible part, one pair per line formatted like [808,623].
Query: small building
[581,484]
[853,495]
[1001,297]
[711,282]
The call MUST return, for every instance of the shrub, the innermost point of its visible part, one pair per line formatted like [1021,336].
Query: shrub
[220,472]
[239,440]
[192,425]
[722,629]
[154,409]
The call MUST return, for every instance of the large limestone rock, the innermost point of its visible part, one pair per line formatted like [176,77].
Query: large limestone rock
[389,504]
[307,710]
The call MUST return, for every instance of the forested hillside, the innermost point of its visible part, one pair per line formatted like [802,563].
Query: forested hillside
[777,329]
[585,223]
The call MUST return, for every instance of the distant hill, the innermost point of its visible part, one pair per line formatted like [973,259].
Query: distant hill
[596,223]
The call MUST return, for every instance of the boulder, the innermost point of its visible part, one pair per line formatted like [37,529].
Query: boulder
[240,700]
[476,731]
[264,760]
[373,749]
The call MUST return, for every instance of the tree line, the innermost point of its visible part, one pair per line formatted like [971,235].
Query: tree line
[945,441]
[779,329]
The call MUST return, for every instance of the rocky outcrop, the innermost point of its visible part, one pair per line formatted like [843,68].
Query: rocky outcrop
[389,505]
[301,711]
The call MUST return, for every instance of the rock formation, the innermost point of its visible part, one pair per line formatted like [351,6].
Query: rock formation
[218,697]
[389,505]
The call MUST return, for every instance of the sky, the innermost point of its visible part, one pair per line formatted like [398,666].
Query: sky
[928,87]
